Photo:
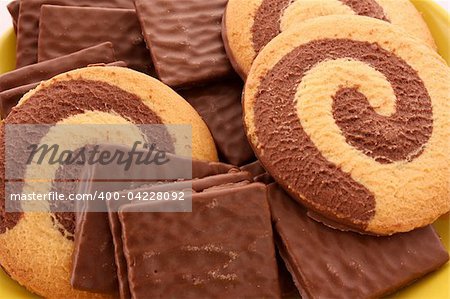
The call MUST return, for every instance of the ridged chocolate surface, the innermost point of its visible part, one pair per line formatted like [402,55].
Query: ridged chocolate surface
[184,38]
[28,31]
[328,263]
[223,249]
[219,105]
[13,8]
[62,33]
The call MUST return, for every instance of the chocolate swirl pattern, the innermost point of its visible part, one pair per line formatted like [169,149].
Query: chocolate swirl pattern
[94,95]
[367,8]
[250,25]
[401,136]
[347,126]
[269,16]
[360,124]
[267,22]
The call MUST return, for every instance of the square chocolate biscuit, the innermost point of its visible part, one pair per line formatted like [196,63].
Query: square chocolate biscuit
[197,185]
[185,40]
[28,24]
[61,33]
[223,249]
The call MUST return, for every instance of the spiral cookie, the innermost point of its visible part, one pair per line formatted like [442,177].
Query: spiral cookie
[36,248]
[353,121]
[250,24]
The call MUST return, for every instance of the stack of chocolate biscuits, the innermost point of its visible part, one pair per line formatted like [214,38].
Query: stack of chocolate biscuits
[319,150]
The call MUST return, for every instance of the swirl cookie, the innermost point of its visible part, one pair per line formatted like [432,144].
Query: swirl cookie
[353,121]
[249,25]
[36,248]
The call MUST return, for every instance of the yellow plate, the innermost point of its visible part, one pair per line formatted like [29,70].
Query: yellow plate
[434,286]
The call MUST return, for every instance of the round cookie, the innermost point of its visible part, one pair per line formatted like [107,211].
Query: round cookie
[36,248]
[353,121]
[248,25]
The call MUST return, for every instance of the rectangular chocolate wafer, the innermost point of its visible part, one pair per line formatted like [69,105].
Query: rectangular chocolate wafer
[329,263]
[219,104]
[223,249]
[14,84]
[185,40]
[61,32]
[28,26]
[13,8]
[197,185]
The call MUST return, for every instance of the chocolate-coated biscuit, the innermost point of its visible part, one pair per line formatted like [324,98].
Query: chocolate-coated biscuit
[351,264]
[219,104]
[351,120]
[28,25]
[197,185]
[249,25]
[223,249]
[36,248]
[61,33]
[184,38]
